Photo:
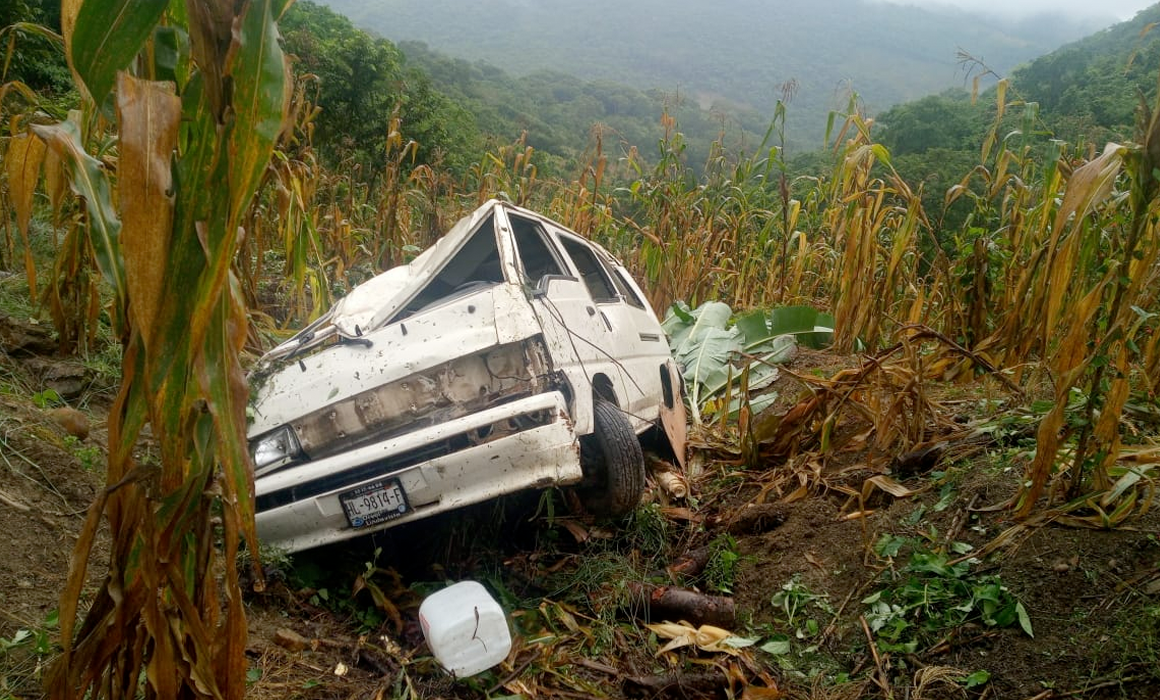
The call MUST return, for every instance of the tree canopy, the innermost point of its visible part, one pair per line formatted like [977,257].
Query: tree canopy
[361,80]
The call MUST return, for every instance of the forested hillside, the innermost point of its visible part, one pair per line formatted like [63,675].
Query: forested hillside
[1086,93]
[452,109]
[452,106]
[737,54]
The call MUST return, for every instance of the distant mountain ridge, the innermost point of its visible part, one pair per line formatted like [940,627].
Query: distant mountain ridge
[736,53]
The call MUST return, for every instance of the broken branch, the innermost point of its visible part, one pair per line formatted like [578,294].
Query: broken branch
[656,603]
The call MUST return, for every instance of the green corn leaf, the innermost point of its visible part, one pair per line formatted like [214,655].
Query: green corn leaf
[107,37]
[261,97]
[90,182]
[197,169]
[171,55]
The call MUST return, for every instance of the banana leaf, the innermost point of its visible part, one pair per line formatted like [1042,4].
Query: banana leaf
[714,348]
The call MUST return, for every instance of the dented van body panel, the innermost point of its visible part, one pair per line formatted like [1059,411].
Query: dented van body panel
[467,374]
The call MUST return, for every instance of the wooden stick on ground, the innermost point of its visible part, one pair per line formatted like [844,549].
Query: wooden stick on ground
[880,678]
[657,603]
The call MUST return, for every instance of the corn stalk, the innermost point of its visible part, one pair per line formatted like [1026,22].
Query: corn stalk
[582,206]
[1100,270]
[708,238]
[21,153]
[509,174]
[874,225]
[194,141]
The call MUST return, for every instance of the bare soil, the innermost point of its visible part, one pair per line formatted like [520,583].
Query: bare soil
[1092,595]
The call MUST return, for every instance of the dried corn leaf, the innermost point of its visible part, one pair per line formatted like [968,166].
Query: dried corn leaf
[22,165]
[1090,184]
[706,638]
[1141,454]
[685,514]
[149,113]
[1047,443]
[55,180]
[578,531]
[754,692]
[886,484]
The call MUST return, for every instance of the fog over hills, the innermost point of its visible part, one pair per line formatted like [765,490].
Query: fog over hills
[1105,12]
[736,53]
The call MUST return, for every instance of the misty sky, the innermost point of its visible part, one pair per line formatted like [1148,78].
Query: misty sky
[1120,9]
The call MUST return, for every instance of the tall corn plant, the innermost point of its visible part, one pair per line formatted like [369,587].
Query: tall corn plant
[70,290]
[582,206]
[510,174]
[704,238]
[392,210]
[1099,280]
[1000,277]
[285,218]
[21,154]
[197,123]
[874,224]
[662,214]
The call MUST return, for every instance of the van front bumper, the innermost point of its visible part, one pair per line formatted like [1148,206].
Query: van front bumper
[526,443]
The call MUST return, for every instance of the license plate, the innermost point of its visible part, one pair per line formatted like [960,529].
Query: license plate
[371,504]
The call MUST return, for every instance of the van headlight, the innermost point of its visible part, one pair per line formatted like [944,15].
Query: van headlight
[275,449]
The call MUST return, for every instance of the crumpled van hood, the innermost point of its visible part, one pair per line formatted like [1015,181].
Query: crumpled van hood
[371,304]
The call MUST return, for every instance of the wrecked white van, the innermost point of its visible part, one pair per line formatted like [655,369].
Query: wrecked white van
[512,354]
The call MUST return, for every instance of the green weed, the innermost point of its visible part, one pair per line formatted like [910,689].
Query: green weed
[721,569]
[90,456]
[647,532]
[796,600]
[933,594]
[798,650]
[22,656]
[47,399]
[38,639]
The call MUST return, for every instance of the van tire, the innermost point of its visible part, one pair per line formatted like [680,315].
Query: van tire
[613,463]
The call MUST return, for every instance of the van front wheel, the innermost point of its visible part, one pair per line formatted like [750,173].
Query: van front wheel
[613,463]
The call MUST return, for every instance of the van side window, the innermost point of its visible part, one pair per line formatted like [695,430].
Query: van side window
[625,290]
[595,277]
[535,254]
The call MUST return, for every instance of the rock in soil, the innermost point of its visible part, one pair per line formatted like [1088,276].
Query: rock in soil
[73,421]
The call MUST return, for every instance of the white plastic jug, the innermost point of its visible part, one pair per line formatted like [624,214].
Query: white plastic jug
[465,628]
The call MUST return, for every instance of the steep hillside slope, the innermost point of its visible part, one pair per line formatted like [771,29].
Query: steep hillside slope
[740,52]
